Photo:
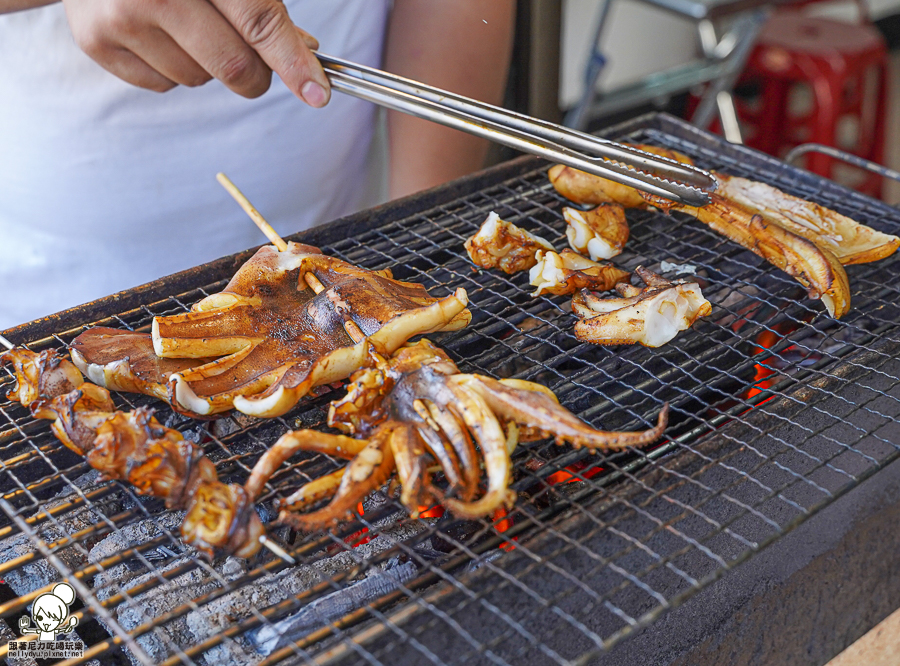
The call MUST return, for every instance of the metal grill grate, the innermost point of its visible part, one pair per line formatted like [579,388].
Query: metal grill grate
[776,410]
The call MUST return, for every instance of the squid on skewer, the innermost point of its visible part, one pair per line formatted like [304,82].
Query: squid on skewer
[134,447]
[267,339]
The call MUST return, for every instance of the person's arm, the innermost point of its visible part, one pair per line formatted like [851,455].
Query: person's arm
[158,44]
[463,46]
[9,6]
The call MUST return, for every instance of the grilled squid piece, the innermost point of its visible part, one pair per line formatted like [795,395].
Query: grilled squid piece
[599,233]
[567,272]
[76,415]
[419,396]
[786,239]
[651,316]
[40,375]
[850,241]
[813,266]
[267,339]
[503,245]
[585,188]
[221,517]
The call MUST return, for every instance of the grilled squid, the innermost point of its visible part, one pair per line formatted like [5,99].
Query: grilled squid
[813,266]
[267,339]
[503,245]
[651,316]
[808,241]
[134,447]
[599,233]
[415,411]
[585,188]
[40,375]
[567,272]
[850,241]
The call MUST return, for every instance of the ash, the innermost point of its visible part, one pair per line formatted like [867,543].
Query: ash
[39,573]
[224,612]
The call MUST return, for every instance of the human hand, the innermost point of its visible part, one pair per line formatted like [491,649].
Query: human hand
[158,44]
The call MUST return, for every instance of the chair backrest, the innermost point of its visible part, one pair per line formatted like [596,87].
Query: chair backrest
[862,7]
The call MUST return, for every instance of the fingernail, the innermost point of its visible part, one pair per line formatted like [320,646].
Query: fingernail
[314,94]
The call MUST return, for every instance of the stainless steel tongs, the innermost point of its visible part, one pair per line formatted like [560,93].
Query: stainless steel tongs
[607,159]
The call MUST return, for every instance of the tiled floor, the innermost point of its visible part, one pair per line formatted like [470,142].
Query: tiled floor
[879,647]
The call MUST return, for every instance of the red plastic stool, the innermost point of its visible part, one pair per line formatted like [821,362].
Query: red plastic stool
[838,62]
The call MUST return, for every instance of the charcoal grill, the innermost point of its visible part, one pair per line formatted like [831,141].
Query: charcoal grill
[777,410]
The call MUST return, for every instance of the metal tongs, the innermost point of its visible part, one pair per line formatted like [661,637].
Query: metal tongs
[629,166]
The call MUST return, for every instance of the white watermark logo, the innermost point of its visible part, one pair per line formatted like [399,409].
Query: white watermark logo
[50,614]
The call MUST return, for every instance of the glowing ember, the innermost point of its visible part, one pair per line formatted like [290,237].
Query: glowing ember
[431,512]
[502,522]
[576,472]
[766,372]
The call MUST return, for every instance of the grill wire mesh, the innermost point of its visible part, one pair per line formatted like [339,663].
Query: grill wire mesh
[777,410]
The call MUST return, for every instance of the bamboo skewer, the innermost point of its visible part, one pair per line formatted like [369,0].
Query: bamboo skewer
[354,331]
[254,214]
[350,326]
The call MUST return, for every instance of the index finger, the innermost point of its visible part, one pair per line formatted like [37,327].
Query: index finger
[268,30]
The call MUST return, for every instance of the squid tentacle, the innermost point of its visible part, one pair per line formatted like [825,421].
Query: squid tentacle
[290,443]
[321,488]
[367,472]
[412,468]
[448,419]
[480,420]
[444,454]
[535,409]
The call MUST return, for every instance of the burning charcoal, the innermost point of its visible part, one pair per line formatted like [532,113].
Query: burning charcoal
[320,612]
[224,426]
[128,536]
[426,552]
[122,576]
[233,567]
[160,599]
[223,612]
[375,501]
[479,562]
[171,419]
[39,572]
[7,635]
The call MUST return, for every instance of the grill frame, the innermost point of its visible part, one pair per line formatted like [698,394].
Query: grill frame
[637,470]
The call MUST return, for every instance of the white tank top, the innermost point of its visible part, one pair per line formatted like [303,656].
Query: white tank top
[104,186]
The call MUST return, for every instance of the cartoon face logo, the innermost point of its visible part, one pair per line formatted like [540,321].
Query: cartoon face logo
[50,613]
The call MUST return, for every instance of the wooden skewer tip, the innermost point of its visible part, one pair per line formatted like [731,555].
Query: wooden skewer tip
[254,214]
[277,550]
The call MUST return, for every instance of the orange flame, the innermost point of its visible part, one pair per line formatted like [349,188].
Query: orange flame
[361,537]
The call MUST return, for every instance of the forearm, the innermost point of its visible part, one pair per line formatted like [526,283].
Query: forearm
[463,46]
[9,6]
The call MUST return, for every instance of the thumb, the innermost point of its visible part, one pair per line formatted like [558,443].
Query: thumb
[268,30]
